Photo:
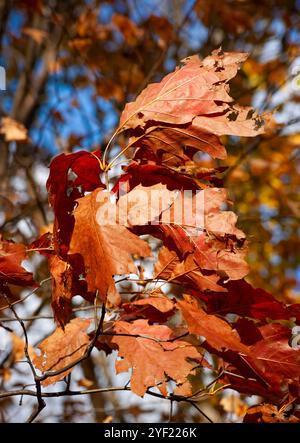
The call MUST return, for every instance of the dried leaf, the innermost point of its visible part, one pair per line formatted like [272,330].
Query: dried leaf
[198,87]
[62,348]
[267,413]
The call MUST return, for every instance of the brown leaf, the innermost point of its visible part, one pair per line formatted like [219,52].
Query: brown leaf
[62,348]
[233,121]
[61,288]
[267,413]
[174,140]
[131,32]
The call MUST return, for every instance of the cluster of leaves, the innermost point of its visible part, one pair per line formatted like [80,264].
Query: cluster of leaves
[214,322]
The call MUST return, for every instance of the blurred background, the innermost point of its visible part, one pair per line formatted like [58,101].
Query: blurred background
[68,70]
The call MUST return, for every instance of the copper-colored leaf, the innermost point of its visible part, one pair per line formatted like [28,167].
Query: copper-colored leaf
[174,140]
[162,304]
[106,249]
[217,332]
[198,87]
[11,269]
[61,288]
[62,348]
[18,346]
[187,271]
[156,308]
[234,404]
[71,175]
[152,360]
[233,121]
[205,241]
[267,413]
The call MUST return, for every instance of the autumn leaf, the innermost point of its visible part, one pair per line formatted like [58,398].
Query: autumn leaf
[273,356]
[106,249]
[217,331]
[62,293]
[268,413]
[151,175]
[152,357]
[67,278]
[271,367]
[198,87]
[162,304]
[156,308]
[38,35]
[234,120]
[187,272]
[18,348]
[206,241]
[131,32]
[11,270]
[242,299]
[71,175]
[144,205]
[62,348]
[189,301]
[174,140]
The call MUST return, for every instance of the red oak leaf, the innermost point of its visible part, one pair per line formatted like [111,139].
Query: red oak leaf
[152,358]
[11,270]
[71,175]
[156,308]
[106,249]
[198,87]
[244,300]
[62,348]
[218,333]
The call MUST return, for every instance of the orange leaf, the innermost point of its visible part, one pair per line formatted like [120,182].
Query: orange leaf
[217,332]
[152,360]
[62,348]
[105,248]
